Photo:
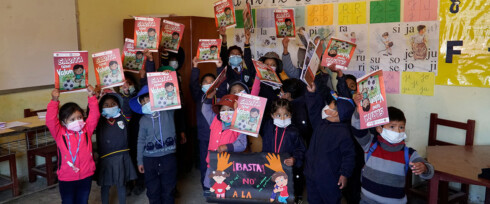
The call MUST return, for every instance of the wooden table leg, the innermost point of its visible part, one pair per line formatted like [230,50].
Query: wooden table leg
[434,189]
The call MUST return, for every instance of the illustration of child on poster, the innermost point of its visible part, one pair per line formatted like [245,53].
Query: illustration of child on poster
[284,20]
[279,177]
[373,109]
[419,43]
[219,176]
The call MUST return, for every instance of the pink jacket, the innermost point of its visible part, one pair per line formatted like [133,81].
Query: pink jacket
[219,137]
[84,159]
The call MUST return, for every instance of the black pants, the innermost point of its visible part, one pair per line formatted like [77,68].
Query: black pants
[75,191]
[203,152]
[160,178]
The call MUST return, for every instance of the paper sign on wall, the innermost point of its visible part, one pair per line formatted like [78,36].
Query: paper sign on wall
[352,13]
[420,10]
[392,82]
[418,83]
[384,11]
[319,14]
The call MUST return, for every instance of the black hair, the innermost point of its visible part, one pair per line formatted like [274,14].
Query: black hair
[293,86]
[351,77]
[142,97]
[254,110]
[287,20]
[420,27]
[105,97]
[77,66]
[176,33]
[396,114]
[332,54]
[169,84]
[234,47]
[67,110]
[112,62]
[139,53]
[130,77]
[368,107]
[281,103]
[208,75]
[213,46]
[227,8]
[385,34]
[152,29]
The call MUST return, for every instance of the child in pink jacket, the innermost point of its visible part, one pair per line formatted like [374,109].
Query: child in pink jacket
[73,138]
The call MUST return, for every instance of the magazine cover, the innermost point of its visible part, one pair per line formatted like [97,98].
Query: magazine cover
[248,114]
[224,13]
[146,33]
[284,20]
[208,50]
[266,74]
[172,35]
[133,60]
[71,71]
[312,63]
[164,90]
[248,21]
[217,82]
[338,52]
[373,110]
[108,69]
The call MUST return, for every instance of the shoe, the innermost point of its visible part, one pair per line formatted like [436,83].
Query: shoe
[138,190]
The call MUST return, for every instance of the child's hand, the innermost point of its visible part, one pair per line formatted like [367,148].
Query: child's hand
[222,32]
[418,168]
[219,63]
[211,94]
[333,68]
[211,190]
[183,138]
[247,36]
[228,187]
[357,98]
[222,148]
[141,169]
[125,87]
[289,161]
[195,62]
[342,182]
[142,73]
[55,94]
[90,90]
[285,44]
[311,88]
[148,54]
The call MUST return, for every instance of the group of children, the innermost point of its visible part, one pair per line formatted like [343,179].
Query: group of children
[316,125]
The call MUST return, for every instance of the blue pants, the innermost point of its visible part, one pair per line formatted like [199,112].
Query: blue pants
[282,199]
[319,191]
[203,152]
[75,191]
[160,178]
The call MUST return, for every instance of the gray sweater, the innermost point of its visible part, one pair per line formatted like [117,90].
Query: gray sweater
[156,135]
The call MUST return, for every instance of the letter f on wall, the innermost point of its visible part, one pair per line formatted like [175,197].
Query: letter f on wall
[450,51]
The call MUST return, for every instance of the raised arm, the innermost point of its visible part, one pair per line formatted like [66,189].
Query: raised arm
[224,46]
[93,115]
[288,66]
[52,121]
[315,104]
[194,84]
[247,56]
[207,110]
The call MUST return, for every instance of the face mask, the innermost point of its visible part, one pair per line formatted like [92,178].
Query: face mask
[173,64]
[226,116]
[235,61]
[76,125]
[241,92]
[131,89]
[282,123]
[205,87]
[324,115]
[146,109]
[273,68]
[111,112]
[392,136]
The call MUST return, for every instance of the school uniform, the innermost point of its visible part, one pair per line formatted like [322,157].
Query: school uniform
[300,118]
[246,75]
[288,141]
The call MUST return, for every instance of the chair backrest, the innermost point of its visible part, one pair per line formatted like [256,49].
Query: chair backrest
[30,136]
[28,112]
[469,126]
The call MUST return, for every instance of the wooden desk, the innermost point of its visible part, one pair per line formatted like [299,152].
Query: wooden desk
[460,164]
[34,123]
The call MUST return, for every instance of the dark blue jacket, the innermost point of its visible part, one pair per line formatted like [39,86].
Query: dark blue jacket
[300,117]
[197,95]
[292,142]
[331,152]
[247,75]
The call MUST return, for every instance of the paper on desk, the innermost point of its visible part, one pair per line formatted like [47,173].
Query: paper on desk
[41,115]
[15,124]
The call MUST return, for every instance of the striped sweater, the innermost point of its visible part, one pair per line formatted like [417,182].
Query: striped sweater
[383,175]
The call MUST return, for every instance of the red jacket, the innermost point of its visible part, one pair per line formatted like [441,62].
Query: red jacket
[84,160]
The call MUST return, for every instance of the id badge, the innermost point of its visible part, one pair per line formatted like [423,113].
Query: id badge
[75,169]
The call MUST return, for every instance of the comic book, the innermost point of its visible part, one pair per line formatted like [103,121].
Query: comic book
[217,82]
[108,69]
[338,52]
[285,25]
[248,21]
[208,50]
[312,63]
[224,13]
[248,114]
[133,60]
[164,90]
[172,35]
[266,74]
[147,33]
[71,71]
[373,109]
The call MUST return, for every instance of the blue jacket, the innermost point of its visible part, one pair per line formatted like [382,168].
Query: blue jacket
[300,117]
[197,95]
[246,75]
[292,142]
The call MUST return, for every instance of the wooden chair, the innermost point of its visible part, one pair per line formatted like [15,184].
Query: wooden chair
[446,195]
[47,151]
[9,182]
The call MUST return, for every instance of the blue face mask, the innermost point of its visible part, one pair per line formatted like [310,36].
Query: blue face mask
[146,109]
[235,61]
[205,88]
[112,112]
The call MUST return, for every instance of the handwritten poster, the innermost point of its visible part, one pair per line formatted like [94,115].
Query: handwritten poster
[356,34]
[265,18]
[420,10]
[352,13]
[319,14]
[384,11]
[464,44]
[418,83]
[392,82]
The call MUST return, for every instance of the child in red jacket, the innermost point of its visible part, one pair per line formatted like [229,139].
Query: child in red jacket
[73,138]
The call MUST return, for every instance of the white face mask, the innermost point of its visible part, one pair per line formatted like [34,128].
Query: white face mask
[392,136]
[324,115]
[282,123]
[173,64]
[226,116]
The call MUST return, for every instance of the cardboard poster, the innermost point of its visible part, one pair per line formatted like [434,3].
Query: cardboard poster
[164,90]
[373,109]
[108,68]
[71,71]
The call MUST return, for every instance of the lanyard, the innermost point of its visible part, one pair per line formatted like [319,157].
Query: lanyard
[73,159]
[275,141]
[159,125]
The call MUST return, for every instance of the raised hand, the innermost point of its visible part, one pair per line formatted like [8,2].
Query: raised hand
[55,94]
[195,62]
[285,44]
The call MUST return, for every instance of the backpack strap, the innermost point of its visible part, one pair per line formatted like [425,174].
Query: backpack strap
[371,150]
[407,159]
